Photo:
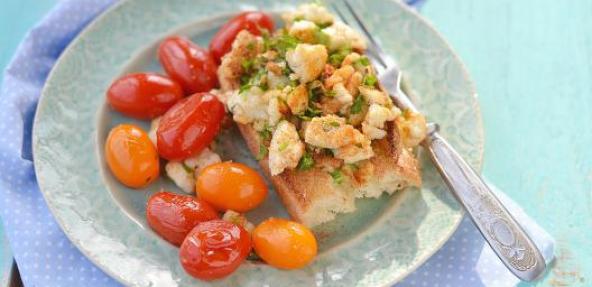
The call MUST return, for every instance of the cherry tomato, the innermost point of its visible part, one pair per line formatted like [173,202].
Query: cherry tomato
[188,64]
[131,156]
[214,249]
[231,186]
[173,216]
[189,126]
[143,95]
[284,244]
[254,22]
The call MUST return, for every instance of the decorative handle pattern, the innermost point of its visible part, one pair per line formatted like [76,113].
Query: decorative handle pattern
[501,231]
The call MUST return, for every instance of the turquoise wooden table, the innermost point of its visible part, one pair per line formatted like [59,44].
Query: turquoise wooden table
[532,62]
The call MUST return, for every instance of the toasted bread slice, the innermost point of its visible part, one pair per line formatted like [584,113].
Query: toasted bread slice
[313,197]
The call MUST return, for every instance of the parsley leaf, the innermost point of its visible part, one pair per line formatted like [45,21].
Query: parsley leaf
[337,176]
[369,80]
[283,146]
[336,58]
[265,134]
[306,161]
[356,107]
[262,152]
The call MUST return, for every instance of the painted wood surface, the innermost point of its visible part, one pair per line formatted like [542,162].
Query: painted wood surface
[532,62]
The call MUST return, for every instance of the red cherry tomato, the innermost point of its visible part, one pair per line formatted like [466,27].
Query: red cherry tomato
[254,22]
[189,126]
[188,64]
[143,95]
[214,249]
[173,216]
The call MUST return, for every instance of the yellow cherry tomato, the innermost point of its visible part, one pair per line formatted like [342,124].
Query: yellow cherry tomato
[131,156]
[231,186]
[284,244]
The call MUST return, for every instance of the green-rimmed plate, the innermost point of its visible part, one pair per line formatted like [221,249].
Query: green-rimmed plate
[384,240]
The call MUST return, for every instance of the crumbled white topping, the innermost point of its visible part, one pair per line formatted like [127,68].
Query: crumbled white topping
[312,12]
[205,158]
[307,61]
[181,176]
[343,36]
[249,106]
[297,99]
[304,30]
[285,149]
[360,149]
[329,131]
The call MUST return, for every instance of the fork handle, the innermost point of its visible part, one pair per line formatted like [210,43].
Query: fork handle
[501,231]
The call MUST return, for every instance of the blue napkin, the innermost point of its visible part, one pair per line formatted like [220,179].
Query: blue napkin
[45,256]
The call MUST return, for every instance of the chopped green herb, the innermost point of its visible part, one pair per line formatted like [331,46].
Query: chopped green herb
[310,113]
[298,18]
[356,107]
[353,166]
[337,57]
[315,91]
[262,152]
[283,146]
[187,168]
[334,124]
[337,176]
[306,161]
[321,37]
[370,80]
[265,134]
[247,64]
[251,46]
[330,93]
[364,61]
[283,43]
[244,88]
[325,25]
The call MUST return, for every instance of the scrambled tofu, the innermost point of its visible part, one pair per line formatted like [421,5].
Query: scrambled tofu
[307,61]
[329,132]
[377,116]
[249,105]
[183,173]
[285,149]
[304,30]
[245,46]
[412,128]
[312,12]
[297,99]
[359,150]
[343,36]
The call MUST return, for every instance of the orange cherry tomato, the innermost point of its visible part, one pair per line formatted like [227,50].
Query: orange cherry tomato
[131,156]
[214,249]
[189,126]
[173,216]
[231,186]
[143,95]
[284,244]
[188,64]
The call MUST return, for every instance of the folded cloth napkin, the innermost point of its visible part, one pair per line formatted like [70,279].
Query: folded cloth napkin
[45,256]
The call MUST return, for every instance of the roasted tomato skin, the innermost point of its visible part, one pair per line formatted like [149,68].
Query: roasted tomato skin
[188,64]
[173,216]
[284,244]
[189,126]
[253,21]
[143,95]
[231,186]
[214,249]
[131,156]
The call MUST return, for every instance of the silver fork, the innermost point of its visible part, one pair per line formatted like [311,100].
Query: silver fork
[501,231]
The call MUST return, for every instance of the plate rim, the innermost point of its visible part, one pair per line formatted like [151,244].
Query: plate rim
[118,4]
